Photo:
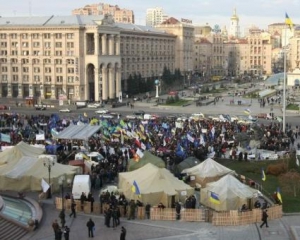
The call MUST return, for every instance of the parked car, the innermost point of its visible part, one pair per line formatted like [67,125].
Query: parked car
[40,107]
[106,116]
[94,105]
[139,113]
[102,111]
[65,110]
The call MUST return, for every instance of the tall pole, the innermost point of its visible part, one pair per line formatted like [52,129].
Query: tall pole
[284,84]
[49,175]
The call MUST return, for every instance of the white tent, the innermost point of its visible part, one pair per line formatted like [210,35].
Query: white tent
[155,184]
[21,169]
[78,132]
[207,171]
[232,194]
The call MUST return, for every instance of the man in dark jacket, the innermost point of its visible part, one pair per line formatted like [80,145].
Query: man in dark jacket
[264,218]
[73,209]
[178,209]
[123,233]
[90,225]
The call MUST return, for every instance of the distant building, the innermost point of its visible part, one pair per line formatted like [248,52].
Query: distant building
[119,15]
[234,30]
[184,42]
[155,16]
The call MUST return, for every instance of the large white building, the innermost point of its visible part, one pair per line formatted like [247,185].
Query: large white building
[155,16]
[80,57]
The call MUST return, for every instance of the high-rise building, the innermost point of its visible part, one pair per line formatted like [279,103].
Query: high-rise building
[120,15]
[155,16]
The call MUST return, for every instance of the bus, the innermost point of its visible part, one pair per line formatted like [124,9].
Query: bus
[216,78]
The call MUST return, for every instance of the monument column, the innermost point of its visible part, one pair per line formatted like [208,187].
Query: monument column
[96,39]
[96,76]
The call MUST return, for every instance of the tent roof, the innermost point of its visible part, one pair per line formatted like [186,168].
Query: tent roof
[152,179]
[230,187]
[78,132]
[208,168]
[187,163]
[11,156]
[147,158]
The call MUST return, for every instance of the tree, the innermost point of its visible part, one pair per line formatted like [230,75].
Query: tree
[290,182]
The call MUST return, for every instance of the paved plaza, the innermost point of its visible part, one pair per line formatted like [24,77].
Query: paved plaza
[282,229]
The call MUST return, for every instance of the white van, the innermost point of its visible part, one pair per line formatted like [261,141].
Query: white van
[81,183]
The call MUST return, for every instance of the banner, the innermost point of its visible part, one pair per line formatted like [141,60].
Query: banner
[40,137]
[5,138]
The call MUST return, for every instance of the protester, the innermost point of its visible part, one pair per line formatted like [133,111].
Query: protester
[90,225]
[264,218]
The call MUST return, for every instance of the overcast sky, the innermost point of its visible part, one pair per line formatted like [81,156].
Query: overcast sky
[251,12]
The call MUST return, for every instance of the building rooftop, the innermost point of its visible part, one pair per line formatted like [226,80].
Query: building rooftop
[72,20]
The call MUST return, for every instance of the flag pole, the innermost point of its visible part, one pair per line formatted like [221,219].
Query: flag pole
[284,84]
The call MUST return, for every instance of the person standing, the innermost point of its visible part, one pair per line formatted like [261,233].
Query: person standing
[123,233]
[66,232]
[147,210]
[55,228]
[264,218]
[82,200]
[178,209]
[90,225]
[73,209]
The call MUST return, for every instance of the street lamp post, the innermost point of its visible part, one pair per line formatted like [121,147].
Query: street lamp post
[49,163]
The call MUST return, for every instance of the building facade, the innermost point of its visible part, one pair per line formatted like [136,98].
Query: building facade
[155,16]
[120,15]
[184,50]
[79,57]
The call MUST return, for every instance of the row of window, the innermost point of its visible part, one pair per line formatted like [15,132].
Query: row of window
[36,35]
[37,78]
[4,69]
[38,44]
[38,61]
[37,53]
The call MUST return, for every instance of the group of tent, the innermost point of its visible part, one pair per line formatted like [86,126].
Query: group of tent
[22,169]
[220,189]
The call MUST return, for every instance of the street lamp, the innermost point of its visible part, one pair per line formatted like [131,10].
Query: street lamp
[61,182]
[49,163]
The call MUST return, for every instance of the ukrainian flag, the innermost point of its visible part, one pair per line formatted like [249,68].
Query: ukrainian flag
[214,198]
[263,175]
[279,195]
[135,188]
[288,21]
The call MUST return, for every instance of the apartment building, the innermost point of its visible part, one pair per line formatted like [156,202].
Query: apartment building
[81,57]
[155,16]
[202,57]
[121,15]
[184,50]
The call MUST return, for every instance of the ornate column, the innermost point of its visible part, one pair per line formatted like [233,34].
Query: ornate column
[9,90]
[53,92]
[111,45]
[104,84]
[96,40]
[104,44]
[117,40]
[20,92]
[118,81]
[42,91]
[96,76]
[30,90]
[111,82]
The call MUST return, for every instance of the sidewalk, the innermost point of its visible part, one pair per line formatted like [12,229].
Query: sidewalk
[287,228]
